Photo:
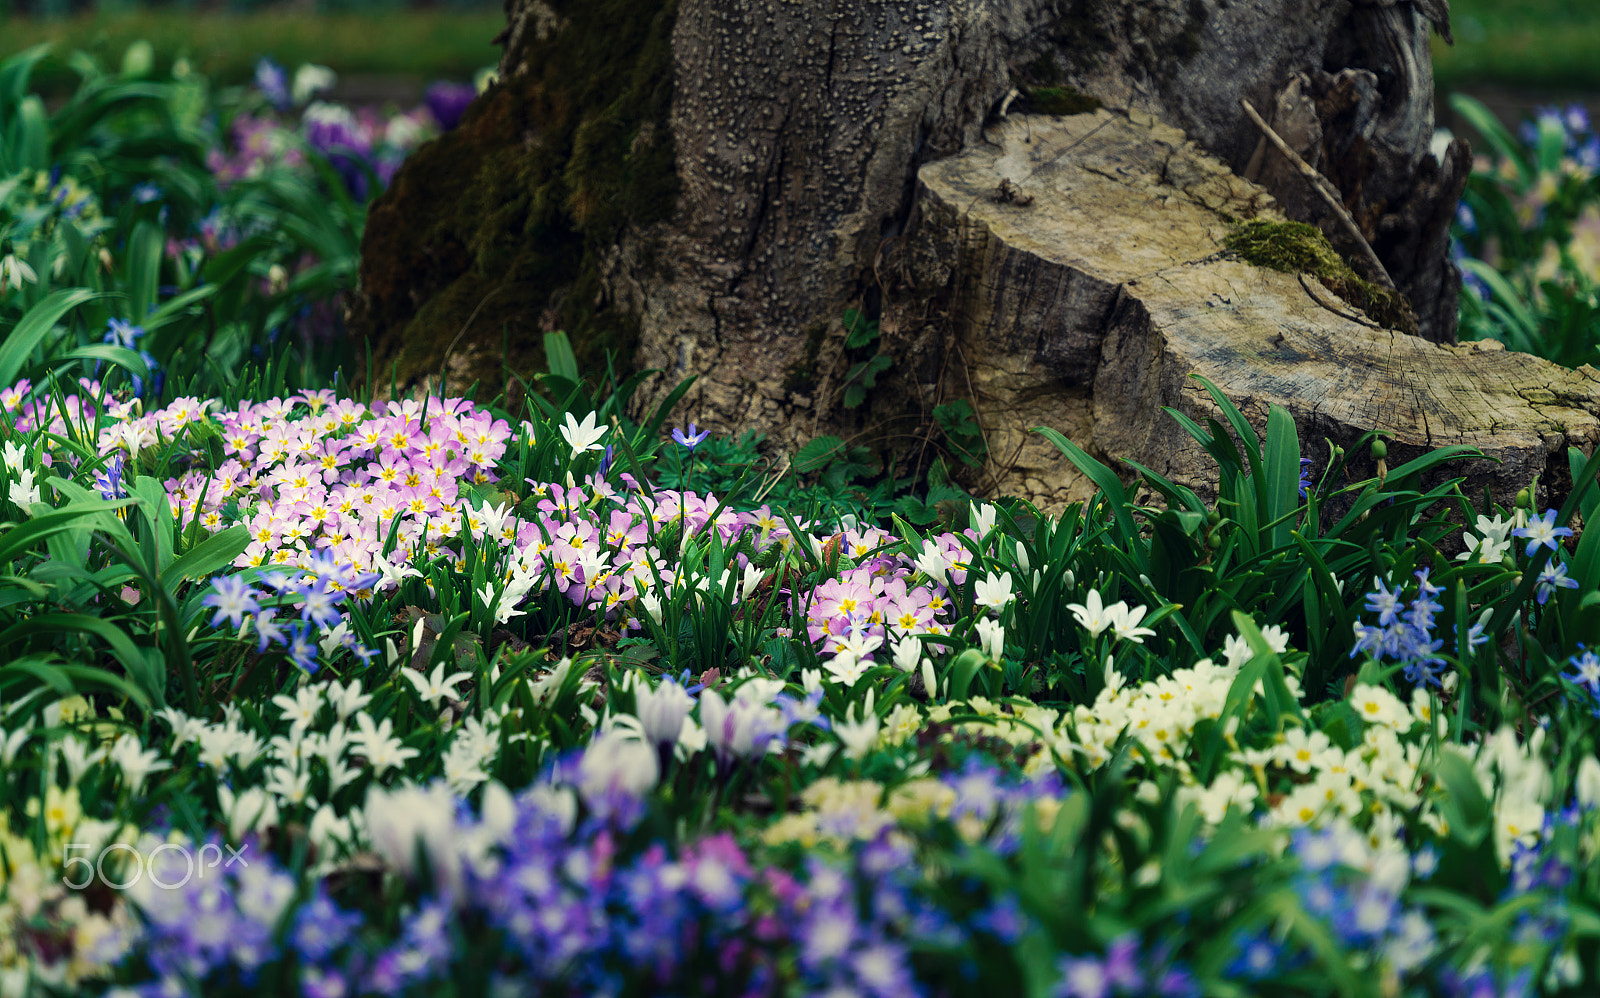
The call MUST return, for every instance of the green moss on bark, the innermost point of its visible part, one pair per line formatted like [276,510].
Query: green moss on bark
[1298,248]
[497,230]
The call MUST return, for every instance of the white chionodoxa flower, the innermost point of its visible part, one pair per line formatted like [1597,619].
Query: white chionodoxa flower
[661,709]
[738,728]
[618,761]
[400,821]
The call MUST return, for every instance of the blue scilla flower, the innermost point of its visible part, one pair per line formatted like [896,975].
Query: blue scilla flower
[1466,219]
[273,82]
[1257,957]
[1542,531]
[1404,633]
[1576,118]
[1552,576]
[321,927]
[109,479]
[121,333]
[690,439]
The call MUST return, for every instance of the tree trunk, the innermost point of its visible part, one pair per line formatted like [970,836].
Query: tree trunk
[706,186]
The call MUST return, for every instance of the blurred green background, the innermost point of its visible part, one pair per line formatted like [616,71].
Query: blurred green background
[380,49]
[1539,44]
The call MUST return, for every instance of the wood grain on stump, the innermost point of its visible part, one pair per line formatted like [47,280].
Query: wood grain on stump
[1087,290]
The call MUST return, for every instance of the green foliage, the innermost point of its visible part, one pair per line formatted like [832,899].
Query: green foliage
[1528,236]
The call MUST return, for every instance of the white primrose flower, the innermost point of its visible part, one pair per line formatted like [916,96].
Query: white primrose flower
[14,272]
[847,669]
[292,787]
[993,635]
[23,492]
[1587,784]
[135,761]
[13,454]
[740,728]
[907,654]
[691,740]
[982,519]
[310,80]
[250,811]
[346,699]
[931,561]
[1125,622]
[1377,705]
[11,744]
[301,709]
[382,750]
[78,757]
[859,735]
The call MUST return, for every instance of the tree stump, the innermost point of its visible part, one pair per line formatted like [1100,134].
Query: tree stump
[1079,274]
[706,186]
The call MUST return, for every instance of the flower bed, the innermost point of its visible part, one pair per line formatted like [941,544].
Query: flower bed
[310,693]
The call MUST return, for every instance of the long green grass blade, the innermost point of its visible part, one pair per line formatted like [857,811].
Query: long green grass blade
[20,342]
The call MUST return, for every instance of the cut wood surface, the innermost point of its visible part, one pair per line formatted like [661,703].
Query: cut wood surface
[1085,294]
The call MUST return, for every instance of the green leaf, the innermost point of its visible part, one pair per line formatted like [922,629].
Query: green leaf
[19,343]
[142,263]
[1484,120]
[151,683]
[1111,487]
[20,538]
[1463,804]
[215,552]
[1282,476]
[558,355]
[817,454]
[15,72]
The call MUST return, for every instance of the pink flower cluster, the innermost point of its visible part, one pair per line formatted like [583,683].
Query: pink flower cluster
[320,480]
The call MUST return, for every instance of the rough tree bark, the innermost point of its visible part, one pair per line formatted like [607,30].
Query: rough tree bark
[705,186]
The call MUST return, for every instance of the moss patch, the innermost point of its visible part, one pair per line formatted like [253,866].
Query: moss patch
[500,227]
[1057,100]
[1298,248]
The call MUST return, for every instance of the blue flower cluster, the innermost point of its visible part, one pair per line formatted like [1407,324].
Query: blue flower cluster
[1572,124]
[1405,633]
[318,593]
[209,919]
[1126,969]
[120,333]
[558,897]
[1585,675]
